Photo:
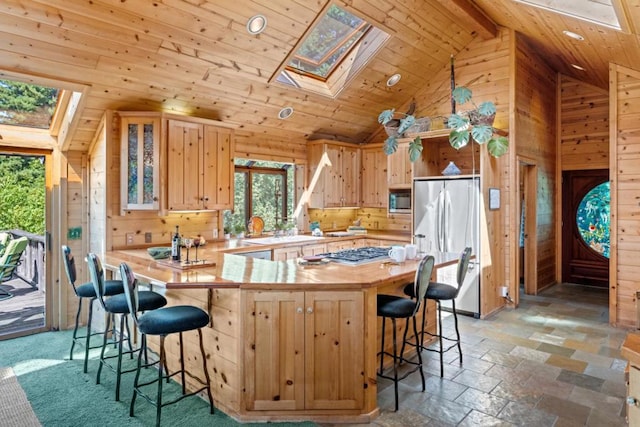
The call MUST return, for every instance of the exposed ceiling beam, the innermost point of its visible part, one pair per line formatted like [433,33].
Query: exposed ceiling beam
[471,17]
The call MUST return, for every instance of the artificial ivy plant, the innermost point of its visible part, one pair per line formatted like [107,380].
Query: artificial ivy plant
[476,125]
[386,118]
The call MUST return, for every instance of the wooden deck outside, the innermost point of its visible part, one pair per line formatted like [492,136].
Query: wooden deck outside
[25,310]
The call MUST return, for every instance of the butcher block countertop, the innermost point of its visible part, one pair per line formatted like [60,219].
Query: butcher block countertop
[227,269]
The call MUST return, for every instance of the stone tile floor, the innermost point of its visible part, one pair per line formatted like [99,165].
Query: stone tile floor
[553,361]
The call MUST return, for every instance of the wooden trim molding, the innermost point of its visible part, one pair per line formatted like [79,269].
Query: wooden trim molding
[613,174]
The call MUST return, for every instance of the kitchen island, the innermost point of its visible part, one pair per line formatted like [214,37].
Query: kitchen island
[286,341]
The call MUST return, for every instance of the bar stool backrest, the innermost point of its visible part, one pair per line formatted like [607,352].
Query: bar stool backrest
[421,281]
[129,283]
[69,266]
[96,272]
[463,266]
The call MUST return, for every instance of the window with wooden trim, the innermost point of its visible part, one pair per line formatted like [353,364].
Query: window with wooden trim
[264,189]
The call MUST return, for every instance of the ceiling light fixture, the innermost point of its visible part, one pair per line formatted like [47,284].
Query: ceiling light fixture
[256,24]
[577,67]
[573,35]
[393,80]
[285,113]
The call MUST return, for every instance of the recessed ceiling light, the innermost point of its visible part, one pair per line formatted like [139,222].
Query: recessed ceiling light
[577,67]
[573,35]
[393,79]
[285,113]
[256,24]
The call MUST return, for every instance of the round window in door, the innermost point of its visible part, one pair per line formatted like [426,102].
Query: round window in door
[593,218]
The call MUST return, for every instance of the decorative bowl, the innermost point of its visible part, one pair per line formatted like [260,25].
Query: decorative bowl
[159,252]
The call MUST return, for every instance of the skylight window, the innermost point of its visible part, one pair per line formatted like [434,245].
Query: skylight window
[28,105]
[328,43]
[336,47]
[598,11]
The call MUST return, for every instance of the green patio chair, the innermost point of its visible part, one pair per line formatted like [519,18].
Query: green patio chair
[9,260]
[5,238]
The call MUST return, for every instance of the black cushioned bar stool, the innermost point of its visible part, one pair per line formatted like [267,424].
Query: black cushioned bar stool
[85,291]
[442,292]
[113,305]
[397,307]
[162,322]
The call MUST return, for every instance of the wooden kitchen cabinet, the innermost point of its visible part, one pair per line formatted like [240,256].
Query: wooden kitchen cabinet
[304,350]
[399,170]
[363,243]
[338,185]
[290,252]
[293,252]
[139,161]
[341,245]
[373,193]
[314,249]
[199,166]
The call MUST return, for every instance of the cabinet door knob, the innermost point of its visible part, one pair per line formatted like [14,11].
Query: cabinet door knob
[632,401]
[299,310]
[309,310]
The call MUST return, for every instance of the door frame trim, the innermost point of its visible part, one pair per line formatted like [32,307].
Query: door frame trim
[49,309]
[530,183]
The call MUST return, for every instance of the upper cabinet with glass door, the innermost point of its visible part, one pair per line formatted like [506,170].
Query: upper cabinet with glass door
[140,159]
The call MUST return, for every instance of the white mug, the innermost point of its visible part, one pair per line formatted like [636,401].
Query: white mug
[412,251]
[398,253]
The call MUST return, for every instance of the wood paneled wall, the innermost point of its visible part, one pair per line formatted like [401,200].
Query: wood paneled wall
[625,192]
[584,126]
[76,207]
[251,145]
[535,139]
[486,68]
[98,187]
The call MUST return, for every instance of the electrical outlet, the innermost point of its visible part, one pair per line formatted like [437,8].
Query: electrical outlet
[215,233]
[147,237]
[504,291]
[129,238]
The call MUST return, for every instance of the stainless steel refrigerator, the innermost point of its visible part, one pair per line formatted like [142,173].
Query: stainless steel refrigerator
[447,212]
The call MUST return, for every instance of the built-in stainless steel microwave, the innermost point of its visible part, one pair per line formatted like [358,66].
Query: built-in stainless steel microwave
[400,200]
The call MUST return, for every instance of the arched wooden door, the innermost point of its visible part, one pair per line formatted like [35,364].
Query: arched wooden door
[585,256]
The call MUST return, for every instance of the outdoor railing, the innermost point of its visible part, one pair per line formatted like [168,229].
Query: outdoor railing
[31,268]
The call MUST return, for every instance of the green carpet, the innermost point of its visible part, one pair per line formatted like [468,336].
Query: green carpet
[62,395]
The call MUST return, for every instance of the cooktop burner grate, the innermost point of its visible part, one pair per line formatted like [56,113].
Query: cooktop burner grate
[359,256]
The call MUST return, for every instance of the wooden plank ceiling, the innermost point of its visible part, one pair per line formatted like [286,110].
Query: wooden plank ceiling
[195,56]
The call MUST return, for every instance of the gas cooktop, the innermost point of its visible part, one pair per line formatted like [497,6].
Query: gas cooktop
[359,255]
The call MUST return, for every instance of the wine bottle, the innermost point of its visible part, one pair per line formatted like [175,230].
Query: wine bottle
[175,246]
